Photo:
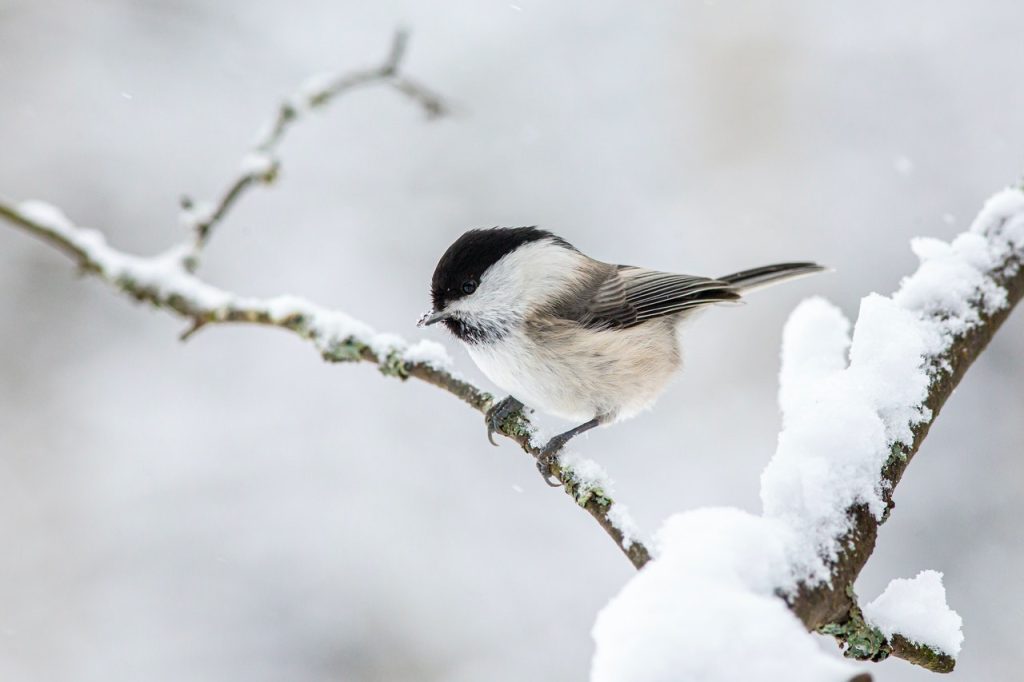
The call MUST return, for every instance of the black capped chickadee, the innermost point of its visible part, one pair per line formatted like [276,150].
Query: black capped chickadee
[569,335]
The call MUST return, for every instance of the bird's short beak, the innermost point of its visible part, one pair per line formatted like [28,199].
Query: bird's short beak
[430,317]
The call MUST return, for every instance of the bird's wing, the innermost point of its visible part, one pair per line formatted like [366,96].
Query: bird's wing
[630,295]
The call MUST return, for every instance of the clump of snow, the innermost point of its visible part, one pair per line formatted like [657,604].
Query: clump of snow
[953,280]
[840,421]
[592,479]
[621,519]
[586,470]
[334,327]
[165,275]
[588,473]
[286,306]
[257,165]
[1002,217]
[815,342]
[916,608]
[47,215]
[889,365]
[706,609]
[385,343]
[429,353]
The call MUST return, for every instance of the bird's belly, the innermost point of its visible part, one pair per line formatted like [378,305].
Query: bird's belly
[612,374]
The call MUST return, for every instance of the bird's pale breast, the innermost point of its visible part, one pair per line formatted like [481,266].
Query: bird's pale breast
[576,374]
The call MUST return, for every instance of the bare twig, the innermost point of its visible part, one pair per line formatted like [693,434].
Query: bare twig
[261,165]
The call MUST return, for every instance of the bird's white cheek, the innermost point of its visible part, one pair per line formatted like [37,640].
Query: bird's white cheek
[522,281]
[482,302]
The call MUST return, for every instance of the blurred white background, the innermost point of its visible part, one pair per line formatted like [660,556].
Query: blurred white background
[234,509]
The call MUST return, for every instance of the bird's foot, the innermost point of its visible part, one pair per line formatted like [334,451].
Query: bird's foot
[498,414]
[548,457]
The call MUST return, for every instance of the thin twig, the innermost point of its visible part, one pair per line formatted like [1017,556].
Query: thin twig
[261,165]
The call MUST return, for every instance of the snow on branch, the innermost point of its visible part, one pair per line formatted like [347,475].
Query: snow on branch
[855,411]
[916,609]
[959,296]
[168,281]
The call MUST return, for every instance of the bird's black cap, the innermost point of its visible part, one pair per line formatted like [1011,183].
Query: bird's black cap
[469,257]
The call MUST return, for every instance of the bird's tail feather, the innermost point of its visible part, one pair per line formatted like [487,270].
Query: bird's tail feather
[757,278]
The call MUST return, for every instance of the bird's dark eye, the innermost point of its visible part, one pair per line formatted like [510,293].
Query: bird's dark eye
[469,286]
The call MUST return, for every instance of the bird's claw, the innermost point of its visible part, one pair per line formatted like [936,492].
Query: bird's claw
[497,415]
[546,459]
[544,467]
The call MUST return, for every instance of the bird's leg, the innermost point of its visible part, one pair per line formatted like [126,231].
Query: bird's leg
[497,415]
[551,449]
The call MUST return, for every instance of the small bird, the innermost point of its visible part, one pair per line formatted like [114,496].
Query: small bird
[571,336]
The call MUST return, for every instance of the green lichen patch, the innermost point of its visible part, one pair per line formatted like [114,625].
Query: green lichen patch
[862,641]
[348,350]
[583,492]
[897,453]
[392,365]
[516,426]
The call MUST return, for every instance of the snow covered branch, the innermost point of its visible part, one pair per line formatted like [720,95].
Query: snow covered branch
[168,281]
[855,411]
[950,308]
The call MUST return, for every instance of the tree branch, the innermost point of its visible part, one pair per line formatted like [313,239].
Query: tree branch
[168,281]
[867,643]
[832,607]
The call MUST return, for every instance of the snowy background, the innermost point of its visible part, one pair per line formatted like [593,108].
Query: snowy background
[235,509]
